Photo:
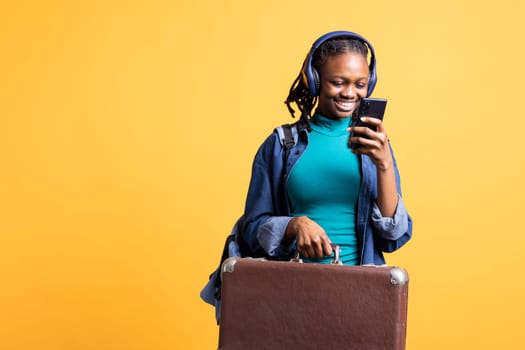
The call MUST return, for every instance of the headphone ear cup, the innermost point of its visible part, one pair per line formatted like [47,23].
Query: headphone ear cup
[316,81]
[372,78]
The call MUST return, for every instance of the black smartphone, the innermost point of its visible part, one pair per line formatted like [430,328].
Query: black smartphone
[368,107]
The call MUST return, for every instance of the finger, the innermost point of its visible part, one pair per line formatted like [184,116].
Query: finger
[378,127]
[305,248]
[308,252]
[327,247]
[317,247]
[373,140]
[359,130]
[364,142]
[381,128]
[372,121]
[363,131]
[301,246]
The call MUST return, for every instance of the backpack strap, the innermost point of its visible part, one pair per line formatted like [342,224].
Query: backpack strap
[288,134]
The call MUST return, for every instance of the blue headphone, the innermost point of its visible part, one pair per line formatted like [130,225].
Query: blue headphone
[310,75]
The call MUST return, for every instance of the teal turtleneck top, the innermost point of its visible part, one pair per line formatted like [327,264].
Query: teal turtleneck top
[324,185]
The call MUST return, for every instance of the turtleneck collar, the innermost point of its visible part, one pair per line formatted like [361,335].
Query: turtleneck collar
[329,127]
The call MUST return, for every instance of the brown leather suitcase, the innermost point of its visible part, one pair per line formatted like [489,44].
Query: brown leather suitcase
[290,305]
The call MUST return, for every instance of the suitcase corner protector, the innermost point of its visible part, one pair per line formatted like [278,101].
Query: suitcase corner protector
[228,265]
[398,276]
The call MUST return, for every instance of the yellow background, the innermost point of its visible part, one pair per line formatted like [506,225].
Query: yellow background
[127,131]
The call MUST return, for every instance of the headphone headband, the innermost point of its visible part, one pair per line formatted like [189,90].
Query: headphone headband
[310,75]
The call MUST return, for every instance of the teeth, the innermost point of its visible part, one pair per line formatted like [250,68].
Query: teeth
[345,104]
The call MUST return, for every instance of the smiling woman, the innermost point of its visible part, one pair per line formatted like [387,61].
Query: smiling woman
[319,192]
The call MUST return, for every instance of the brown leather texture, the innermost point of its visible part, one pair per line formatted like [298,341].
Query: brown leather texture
[287,305]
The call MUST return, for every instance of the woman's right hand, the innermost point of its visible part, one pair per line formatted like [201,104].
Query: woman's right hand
[312,241]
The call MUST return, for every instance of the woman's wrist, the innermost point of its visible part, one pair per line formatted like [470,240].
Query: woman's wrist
[385,165]
[290,233]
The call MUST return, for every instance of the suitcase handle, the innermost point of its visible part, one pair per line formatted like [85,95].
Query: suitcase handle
[337,250]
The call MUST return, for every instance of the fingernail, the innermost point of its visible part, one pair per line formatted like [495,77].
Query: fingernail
[363,119]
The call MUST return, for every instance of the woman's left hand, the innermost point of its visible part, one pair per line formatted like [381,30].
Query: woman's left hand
[372,143]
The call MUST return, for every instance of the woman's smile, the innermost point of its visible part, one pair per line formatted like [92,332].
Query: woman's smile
[345,105]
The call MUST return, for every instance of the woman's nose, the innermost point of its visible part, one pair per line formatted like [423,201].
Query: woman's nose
[349,91]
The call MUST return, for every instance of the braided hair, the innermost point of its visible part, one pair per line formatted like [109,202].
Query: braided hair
[299,90]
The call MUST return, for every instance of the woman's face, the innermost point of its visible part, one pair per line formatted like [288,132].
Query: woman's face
[344,81]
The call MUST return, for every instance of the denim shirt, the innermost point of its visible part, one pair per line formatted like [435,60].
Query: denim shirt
[267,210]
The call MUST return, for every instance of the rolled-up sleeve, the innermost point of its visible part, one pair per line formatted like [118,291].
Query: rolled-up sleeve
[391,228]
[270,236]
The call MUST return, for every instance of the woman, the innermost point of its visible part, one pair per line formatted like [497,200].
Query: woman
[325,192]
[320,191]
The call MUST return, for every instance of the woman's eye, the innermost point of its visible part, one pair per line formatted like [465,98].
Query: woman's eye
[337,83]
